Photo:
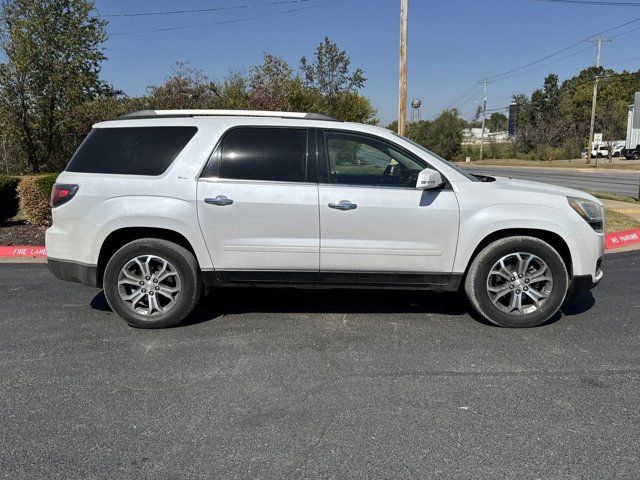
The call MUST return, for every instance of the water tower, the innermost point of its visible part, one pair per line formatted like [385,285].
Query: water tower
[415,110]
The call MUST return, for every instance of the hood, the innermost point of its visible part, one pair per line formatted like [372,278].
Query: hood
[544,188]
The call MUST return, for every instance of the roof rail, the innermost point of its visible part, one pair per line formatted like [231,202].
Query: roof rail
[140,114]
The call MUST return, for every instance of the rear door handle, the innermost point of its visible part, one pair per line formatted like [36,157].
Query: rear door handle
[220,200]
[343,205]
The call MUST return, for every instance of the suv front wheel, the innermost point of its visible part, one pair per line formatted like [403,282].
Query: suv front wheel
[517,282]
[152,283]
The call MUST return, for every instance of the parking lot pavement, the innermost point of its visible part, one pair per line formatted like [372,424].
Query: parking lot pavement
[620,182]
[317,384]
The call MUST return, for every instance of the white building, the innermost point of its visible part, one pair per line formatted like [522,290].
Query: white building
[472,136]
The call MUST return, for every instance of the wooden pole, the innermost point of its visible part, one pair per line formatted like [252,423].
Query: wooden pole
[402,86]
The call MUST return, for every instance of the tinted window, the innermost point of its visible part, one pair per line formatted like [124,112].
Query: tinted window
[275,154]
[131,151]
[358,160]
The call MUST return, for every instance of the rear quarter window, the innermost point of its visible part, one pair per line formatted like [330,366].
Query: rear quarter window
[130,150]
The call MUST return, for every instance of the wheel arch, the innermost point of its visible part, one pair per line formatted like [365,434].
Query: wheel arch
[118,238]
[552,238]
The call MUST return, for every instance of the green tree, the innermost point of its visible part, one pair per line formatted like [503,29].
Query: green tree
[442,135]
[329,73]
[272,84]
[445,135]
[53,52]
[336,84]
[185,88]
[541,122]
[234,92]
[497,122]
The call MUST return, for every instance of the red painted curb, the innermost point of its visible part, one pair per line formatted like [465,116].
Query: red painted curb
[23,251]
[621,239]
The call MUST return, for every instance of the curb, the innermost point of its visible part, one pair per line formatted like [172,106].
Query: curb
[23,251]
[622,239]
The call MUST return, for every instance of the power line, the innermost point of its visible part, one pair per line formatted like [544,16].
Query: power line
[544,65]
[625,33]
[569,47]
[594,2]
[460,101]
[497,109]
[622,61]
[620,75]
[469,97]
[512,73]
[472,98]
[204,10]
[473,87]
[223,22]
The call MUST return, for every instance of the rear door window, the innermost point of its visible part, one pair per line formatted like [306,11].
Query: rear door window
[271,154]
[131,150]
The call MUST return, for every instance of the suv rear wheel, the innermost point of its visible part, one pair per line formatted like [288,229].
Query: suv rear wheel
[517,282]
[152,283]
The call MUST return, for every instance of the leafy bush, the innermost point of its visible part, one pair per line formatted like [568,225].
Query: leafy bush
[8,197]
[34,193]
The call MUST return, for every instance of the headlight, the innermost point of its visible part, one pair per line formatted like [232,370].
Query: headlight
[592,212]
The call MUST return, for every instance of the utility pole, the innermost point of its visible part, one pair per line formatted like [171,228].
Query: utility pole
[598,42]
[402,86]
[484,115]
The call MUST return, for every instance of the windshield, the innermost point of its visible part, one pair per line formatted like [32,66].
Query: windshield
[461,171]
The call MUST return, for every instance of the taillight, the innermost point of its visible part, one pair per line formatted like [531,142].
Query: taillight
[62,193]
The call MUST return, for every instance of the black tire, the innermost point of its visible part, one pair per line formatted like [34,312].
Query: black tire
[184,264]
[478,274]
[636,156]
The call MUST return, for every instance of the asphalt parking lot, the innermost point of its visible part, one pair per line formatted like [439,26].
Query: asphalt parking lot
[317,384]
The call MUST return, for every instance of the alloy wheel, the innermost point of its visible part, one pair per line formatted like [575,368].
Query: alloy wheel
[519,283]
[149,285]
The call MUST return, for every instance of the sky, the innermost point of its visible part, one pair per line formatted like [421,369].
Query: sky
[452,44]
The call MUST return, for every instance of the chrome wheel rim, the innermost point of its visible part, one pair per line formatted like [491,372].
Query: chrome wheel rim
[519,283]
[149,285]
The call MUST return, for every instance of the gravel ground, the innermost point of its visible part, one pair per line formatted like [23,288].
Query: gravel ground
[19,233]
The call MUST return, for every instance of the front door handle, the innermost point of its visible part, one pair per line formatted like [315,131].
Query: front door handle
[220,200]
[343,205]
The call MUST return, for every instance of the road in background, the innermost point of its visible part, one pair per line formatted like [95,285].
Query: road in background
[317,384]
[617,182]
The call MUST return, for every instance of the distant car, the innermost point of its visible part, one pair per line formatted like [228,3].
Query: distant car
[596,152]
[631,153]
[600,152]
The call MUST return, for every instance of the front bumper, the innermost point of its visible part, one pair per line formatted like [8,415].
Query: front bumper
[75,272]
[584,283]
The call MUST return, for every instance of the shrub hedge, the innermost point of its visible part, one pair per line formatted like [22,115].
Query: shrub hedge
[34,193]
[8,197]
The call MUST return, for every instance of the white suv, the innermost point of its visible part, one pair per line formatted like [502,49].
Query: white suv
[158,205]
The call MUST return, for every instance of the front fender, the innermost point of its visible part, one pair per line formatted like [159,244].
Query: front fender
[477,225]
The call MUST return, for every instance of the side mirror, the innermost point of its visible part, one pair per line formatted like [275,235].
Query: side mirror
[429,179]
